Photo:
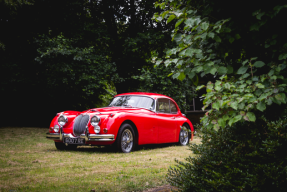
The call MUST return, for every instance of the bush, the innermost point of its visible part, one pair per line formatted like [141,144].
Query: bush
[245,157]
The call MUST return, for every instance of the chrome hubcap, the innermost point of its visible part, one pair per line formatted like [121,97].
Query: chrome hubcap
[127,140]
[183,136]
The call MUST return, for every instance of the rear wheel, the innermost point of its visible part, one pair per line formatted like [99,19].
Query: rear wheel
[184,136]
[125,139]
[64,146]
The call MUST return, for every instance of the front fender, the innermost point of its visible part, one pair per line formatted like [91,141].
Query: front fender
[114,123]
[71,115]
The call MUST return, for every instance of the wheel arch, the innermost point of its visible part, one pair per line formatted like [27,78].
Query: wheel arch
[191,131]
[134,128]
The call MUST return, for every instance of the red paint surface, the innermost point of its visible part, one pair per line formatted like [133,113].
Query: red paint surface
[152,127]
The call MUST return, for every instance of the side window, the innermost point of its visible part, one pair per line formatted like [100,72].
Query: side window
[163,106]
[173,108]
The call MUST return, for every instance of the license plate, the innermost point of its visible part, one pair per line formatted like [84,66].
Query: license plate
[74,141]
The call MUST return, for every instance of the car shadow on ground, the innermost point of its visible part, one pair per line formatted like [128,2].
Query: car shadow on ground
[112,149]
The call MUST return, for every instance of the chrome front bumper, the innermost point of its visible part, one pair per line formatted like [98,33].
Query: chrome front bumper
[87,137]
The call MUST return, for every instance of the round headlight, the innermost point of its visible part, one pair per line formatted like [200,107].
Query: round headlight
[56,128]
[62,120]
[97,129]
[95,121]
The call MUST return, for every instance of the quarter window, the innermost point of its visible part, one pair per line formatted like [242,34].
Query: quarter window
[166,106]
[173,108]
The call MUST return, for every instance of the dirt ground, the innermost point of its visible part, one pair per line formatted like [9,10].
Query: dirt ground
[164,188]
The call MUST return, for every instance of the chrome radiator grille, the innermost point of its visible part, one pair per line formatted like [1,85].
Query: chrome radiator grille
[80,124]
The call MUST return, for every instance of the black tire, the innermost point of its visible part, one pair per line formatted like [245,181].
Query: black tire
[63,146]
[60,146]
[125,141]
[184,135]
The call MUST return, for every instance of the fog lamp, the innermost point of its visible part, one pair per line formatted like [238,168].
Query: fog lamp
[56,128]
[97,129]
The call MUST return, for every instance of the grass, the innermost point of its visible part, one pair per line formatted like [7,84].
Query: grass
[30,162]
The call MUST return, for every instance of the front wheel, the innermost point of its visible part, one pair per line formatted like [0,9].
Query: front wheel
[183,136]
[125,138]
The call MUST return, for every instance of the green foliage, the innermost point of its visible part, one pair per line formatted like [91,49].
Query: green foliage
[118,34]
[15,3]
[2,46]
[244,157]
[244,84]
[85,73]
[12,5]
[245,55]
[234,98]
[156,80]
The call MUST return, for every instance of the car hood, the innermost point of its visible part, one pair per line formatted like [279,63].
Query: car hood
[109,110]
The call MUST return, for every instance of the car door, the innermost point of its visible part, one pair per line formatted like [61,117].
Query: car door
[149,134]
[145,120]
[166,121]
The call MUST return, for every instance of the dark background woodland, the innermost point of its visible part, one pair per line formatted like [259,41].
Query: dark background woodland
[75,55]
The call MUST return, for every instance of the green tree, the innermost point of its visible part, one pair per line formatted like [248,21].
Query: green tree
[12,6]
[157,80]
[244,84]
[85,71]
[134,37]
[246,54]
[117,34]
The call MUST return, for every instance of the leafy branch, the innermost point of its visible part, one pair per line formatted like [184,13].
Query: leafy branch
[241,87]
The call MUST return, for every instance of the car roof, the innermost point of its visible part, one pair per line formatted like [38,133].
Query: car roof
[154,95]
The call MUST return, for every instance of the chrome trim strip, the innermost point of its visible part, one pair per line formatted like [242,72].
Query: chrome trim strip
[90,137]
[61,133]
[101,137]
[86,134]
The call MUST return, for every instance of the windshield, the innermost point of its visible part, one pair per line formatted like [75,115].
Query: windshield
[133,101]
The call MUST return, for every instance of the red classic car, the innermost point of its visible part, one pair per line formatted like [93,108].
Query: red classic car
[130,119]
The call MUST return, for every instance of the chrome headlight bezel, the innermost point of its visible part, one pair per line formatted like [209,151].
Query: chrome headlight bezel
[62,120]
[95,121]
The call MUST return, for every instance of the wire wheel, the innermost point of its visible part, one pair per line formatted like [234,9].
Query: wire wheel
[125,140]
[183,136]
